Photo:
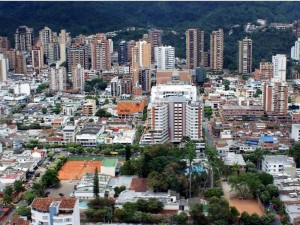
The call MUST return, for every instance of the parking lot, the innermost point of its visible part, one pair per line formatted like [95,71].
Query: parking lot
[65,187]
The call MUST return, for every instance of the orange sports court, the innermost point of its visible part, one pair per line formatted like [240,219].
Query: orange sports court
[74,170]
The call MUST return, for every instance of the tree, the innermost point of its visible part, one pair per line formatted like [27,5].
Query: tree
[244,184]
[29,196]
[106,101]
[50,178]
[118,190]
[128,152]
[120,214]
[44,110]
[181,218]
[114,101]
[38,189]
[289,99]
[91,120]
[197,215]
[50,155]
[265,178]
[190,155]
[157,181]
[127,168]
[23,211]
[201,90]
[213,192]
[273,190]
[18,186]
[7,196]
[294,151]
[96,183]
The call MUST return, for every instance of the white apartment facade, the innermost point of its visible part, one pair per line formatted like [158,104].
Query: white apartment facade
[55,211]
[279,67]
[295,134]
[3,68]
[173,112]
[58,78]
[279,164]
[164,57]
[69,134]
[295,50]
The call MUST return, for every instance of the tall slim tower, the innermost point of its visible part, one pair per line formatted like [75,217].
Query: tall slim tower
[122,53]
[3,68]
[279,67]
[78,78]
[46,37]
[155,39]
[24,38]
[37,58]
[245,56]
[194,48]
[217,50]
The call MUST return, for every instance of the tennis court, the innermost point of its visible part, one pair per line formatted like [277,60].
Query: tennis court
[74,170]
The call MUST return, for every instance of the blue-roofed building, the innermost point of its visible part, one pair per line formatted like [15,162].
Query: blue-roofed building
[269,143]
[268,139]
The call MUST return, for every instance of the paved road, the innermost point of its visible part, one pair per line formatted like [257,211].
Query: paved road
[208,136]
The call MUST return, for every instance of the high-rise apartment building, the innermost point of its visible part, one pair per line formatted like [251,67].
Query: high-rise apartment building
[78,78]
[77,54]
[37,57]
[63,39]
[100,55]
[173,112]
[275,97]
[217,50]
[296,28]
[46,36]
[122,53]
[141,59]
[266,70]
[20,63]
[58,78]
[279,67]
[130,45]
[155,39]
[141,55]
[245,56]
[4,44]
[3,68]
[164,57]
[24,39]
[194,48]
[54,52]
[295,50]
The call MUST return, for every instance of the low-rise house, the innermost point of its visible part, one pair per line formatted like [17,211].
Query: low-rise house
[232,159]
[89,134]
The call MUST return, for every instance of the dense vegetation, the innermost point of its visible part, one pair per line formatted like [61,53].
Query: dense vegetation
[173,17]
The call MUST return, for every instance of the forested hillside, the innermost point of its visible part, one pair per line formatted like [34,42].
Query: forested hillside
[92,17]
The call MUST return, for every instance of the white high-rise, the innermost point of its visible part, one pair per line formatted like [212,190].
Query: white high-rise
[173,112]
[295,50]
[279,67]
[3,68]
[78,78]
[164,57]
[58,78]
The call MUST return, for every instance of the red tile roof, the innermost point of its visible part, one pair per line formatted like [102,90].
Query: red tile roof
[42,204]
[17,220]
[139,184]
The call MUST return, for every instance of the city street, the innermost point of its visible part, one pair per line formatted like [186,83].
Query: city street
[208,136]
